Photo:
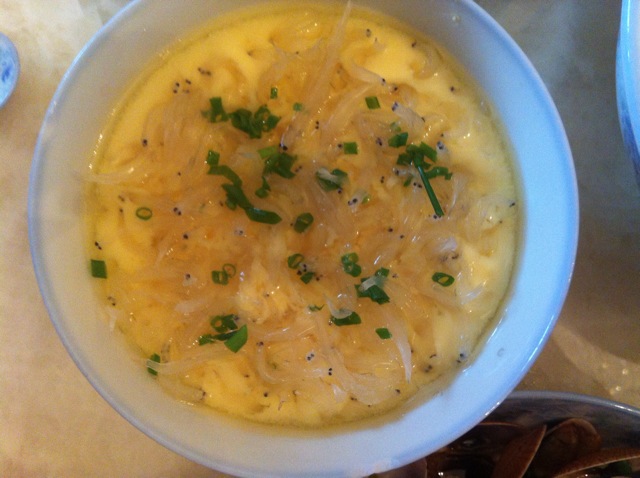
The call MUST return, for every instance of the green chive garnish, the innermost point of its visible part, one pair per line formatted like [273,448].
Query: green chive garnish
[144,213]
[238,339]
[260,215]
[372,102]
[216,112]
[98,269]
[298,107]
[398,140]
[236,197]
[350,148]
[153,358]
[303,222]
[307,277]
[416,154]
[330,181]
[350,264]
[274,93]
[254,124]
[374,292]
[263,191]
[224,323]
[442,278]
[294,260]
[267,151]
[279,163]
[351,319]
[383,333]
[206,339]
[222,277]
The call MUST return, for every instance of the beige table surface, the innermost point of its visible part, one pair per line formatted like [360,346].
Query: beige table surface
[53,424]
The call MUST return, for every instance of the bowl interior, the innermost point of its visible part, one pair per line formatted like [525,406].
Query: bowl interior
[549,196]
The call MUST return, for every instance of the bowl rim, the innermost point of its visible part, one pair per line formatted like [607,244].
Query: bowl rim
[409,420]
[14,75]
[573,397]
[628,80]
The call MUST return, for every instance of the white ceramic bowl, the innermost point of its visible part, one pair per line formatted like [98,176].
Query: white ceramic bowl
[9,68]
[628,80]
[73,122]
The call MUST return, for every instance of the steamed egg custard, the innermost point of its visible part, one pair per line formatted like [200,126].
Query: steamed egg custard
[302,215]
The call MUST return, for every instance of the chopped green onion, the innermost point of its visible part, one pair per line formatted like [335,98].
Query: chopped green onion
[216,112]
[222,277]
[206,339]
[219,277]
[351,148]
[303,222]
[254,124]
[437,208]
[274,93]
[279,163]
[442,278]
[298,107]
[232,336]
[424,149]
[263,191]
[229,269]
[372,102]
[374,292]
[267,151]
[307,276]
[242,119]
[225,171]
[439,171]
[352,319]
[224,323]
[415,154]
[398,140]
[294,260]
[383,333]
[236,197]
[315,308]
[98,269]
[263,216]
[237,339]
[350,264]
[153,358]
[144,213]
[213,157]
[330,181]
